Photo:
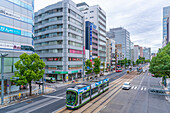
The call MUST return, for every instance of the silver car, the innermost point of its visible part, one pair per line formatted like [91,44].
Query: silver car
[126,85]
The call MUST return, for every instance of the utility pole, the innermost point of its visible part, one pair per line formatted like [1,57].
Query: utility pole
[2,77]
[83,49]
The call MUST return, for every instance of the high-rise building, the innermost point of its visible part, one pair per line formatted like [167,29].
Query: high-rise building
[16,31]
[147,53]
[141,51]
[120,55]
[136,52]
[59,35]
[132,51]
[91,40]
[121,36]
[166,11]
[110,53]
[96,15]
[168,29]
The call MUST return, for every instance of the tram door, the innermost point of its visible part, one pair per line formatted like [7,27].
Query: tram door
[80,99]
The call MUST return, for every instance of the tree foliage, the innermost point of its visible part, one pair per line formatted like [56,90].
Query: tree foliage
[129,62]
[29,68]
[97,64]
[103,66]
[126,62]
[138,61]
[88,64]
[160,64]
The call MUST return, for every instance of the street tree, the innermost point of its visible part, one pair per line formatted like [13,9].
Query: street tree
[103,66]
[126,62]
[29,68]
[129,62]
[160,64]
[133,63]
[138,61]
[122,63]
[88,67]
[147,60]
[97,64]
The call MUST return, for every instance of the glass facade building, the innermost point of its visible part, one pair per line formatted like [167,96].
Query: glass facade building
[121,36]
[16,32]
[166,11]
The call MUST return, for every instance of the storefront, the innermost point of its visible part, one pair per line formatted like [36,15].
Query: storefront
[66,75]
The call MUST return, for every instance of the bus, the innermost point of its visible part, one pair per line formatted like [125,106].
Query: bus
[82,93]
[50,79]
[118,69]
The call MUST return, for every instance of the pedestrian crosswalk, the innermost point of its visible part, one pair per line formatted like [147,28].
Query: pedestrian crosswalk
[142,88]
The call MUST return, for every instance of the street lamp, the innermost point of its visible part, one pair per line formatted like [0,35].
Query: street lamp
[2,77]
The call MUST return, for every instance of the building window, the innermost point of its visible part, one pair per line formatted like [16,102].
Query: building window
[74,59]
[85,12]
[91,11]
[75,51]
[55,59]
[55,67]
[70,67]
[92,17]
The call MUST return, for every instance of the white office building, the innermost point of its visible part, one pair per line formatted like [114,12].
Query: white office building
[97,16]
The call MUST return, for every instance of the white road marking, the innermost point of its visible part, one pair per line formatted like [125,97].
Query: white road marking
[132,87]
[53,97]
[136,87]
[142,88]
[145,89]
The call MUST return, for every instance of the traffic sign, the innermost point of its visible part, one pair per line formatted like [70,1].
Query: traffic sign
[7,85]
[80,70]
[88,67]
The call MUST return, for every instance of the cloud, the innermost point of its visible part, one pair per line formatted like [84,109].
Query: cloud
[142,18]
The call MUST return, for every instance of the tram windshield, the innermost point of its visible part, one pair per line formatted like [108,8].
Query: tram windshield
[71,97]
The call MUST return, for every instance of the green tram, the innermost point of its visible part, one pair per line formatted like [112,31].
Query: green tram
[84,92]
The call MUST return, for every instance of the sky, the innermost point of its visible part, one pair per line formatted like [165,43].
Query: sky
[142,18]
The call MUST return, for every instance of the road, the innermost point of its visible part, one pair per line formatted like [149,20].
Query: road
[47,103]
[137,99]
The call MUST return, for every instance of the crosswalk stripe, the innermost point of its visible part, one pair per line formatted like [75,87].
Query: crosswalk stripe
[132,87]
[142,88]
[136,87]
[145,89]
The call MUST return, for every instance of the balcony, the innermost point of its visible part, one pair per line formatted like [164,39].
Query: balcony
[95,41]
[93,46]
[94,52]
[95,36]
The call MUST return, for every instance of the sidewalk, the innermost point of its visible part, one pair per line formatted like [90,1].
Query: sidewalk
[13,97]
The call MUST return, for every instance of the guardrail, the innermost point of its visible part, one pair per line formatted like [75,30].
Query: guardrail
[162,92]
[16,97]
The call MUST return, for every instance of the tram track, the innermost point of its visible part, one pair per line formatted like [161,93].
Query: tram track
[105,97]
[97,102]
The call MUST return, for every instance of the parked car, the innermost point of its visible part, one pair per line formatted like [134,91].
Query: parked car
[126,85]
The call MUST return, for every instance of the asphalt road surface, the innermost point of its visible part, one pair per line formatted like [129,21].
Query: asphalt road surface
[48,103]
[138,99]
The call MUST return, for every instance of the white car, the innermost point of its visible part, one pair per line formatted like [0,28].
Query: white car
[126,85]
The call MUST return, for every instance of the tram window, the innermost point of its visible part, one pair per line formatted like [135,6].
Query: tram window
[105,84]
[94,90]
[85,95]
[71,97]
[101,86]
